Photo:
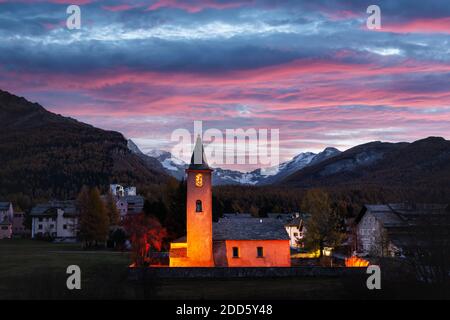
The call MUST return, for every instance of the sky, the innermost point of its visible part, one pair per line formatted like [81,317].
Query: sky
[311,69]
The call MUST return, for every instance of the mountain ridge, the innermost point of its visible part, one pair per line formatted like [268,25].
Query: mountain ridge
[176,167]
[425,162]
[46,155]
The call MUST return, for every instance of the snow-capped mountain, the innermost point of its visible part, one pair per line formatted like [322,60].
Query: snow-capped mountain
[133,147]
[299,162]
[176,167]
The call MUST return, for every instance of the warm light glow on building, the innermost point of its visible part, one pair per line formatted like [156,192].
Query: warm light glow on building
[355,261]
[237,248]
[199,180]
[307,255]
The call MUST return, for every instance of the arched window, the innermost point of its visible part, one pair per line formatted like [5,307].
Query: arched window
[198,206]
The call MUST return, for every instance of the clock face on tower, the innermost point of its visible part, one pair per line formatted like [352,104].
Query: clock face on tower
[199,180]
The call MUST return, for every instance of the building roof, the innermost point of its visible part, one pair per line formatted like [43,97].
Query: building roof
[4,206]
[137,200]
[198,159]
[237,215]
[245,228]
[405,222]
[182,239]
[5,222]
[402,214]
[50,208]
[290,219]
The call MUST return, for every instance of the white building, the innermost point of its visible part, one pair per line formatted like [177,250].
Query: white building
[6,211]
[296,230]
[118,190]
[294,224]
[6,219]
[55,219]
[391,229]
[127,201]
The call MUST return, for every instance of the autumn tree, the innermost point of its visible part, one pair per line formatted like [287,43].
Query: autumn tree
[111,210]
[145,233]
[94,221]
[175,199]
[323,227]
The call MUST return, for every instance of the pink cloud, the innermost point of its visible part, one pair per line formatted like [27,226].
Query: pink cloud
[194,6]
[437,25]
[68,2]
[312,83]
[120,7]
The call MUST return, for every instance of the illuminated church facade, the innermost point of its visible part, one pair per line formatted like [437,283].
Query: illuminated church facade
[233,241]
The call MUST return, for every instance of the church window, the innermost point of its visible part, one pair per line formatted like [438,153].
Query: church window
[198,206]
[260,252]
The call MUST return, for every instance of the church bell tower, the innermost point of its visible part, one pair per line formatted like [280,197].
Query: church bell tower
[199,209]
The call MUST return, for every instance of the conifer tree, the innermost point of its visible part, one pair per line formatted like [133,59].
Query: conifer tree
[94,221]
[322,229]
[111,209]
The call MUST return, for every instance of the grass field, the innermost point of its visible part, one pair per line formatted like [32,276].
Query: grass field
[37,270]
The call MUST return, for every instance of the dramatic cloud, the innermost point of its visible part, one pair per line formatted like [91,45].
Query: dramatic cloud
[309,68]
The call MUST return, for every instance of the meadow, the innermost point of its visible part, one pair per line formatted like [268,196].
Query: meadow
[37,270]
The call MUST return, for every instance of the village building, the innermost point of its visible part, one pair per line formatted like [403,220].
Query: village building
[129,205]
[18,227]
[5,229]
[55,219]
[59,219]
[6,211]
[233,241]
[391,230]
[295,225]
[128,202]
[6,218]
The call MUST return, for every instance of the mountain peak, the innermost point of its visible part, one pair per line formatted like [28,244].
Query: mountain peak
[331,150]
[133,147]
[431,139]
[64,154]
[156,153]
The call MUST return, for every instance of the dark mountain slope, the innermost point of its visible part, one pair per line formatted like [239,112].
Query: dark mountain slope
[408,165]
[46,155]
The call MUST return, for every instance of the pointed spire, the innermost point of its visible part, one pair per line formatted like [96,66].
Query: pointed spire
[198,159]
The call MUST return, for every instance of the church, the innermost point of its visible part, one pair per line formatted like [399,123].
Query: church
[236,240]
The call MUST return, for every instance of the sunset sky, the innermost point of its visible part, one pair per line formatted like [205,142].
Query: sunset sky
[308,68]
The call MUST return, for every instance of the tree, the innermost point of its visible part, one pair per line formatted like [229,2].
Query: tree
[94,221]
[118,238]
[111,210]
[175,199]
[323,227]
[145,232]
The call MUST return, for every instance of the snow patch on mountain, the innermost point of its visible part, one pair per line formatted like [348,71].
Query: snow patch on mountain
[176,167]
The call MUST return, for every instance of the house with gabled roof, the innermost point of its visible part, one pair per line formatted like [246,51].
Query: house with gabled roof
[5,229]
[55,219]
[6,211]
[393,229]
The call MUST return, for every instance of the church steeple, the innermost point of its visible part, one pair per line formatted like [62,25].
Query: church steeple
[198,159]
[199,209]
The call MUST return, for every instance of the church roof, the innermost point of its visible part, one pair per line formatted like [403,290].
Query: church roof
[244,228]
[4,206]
[198,159]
